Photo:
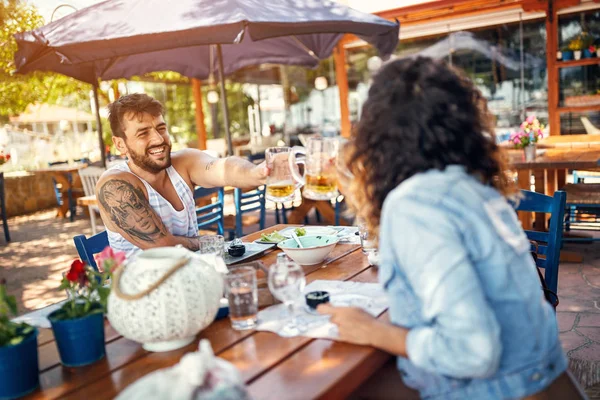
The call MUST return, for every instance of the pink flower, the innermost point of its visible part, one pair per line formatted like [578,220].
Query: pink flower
[108,258]
[530,119]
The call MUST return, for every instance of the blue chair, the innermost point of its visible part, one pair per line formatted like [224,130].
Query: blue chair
[87,247]
[3,209]
[549,243]
[280,218]
[210,217]
[247,202]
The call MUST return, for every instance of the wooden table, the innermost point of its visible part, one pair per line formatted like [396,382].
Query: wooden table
[572,141]
[273,367]
[550,170]
[71,187]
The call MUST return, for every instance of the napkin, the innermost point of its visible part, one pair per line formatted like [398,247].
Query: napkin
[369,296]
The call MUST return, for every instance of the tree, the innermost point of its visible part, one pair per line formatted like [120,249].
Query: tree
[18,91]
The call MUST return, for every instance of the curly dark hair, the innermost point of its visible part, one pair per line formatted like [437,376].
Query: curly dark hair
[136,103]
[420,114]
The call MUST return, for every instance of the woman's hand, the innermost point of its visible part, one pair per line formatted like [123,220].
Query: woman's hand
[359,327]
[354,324]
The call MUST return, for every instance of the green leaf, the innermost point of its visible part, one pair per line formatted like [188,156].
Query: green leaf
[64,285]
[12,304]
[103,293]
[16,340]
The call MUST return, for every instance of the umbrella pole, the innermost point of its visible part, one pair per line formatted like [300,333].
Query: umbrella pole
[99,125]
[224,100]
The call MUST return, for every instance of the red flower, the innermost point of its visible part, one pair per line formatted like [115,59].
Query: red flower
[77,273]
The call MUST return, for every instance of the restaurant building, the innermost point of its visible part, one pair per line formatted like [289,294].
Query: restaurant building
[528,57]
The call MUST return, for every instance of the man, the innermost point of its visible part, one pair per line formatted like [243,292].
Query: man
[149,201]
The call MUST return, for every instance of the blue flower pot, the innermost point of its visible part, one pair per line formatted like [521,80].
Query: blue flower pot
[567,55]
[80,341]
[19,371]
[587,53]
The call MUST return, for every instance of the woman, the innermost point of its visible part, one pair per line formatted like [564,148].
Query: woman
[468,317]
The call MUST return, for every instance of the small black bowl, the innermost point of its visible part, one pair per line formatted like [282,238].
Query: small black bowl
[313,299]
[237,250]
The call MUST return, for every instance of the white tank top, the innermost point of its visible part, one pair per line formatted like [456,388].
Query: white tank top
[179,223]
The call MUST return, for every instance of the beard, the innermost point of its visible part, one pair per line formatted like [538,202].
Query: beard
[145,161]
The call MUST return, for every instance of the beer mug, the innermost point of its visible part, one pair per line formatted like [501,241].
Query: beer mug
[319,177]
[280,182]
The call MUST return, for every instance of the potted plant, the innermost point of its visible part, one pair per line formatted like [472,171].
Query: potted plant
[593,51]
[576,45]
[587,40]
[79,324]
[566,53]
[529,133]
[19,373]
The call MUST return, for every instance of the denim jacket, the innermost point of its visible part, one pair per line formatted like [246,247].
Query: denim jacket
[456,265]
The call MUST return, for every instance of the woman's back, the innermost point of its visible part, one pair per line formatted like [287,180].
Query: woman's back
[457,266]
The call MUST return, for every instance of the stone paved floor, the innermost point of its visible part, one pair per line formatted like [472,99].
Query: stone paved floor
[42,248]
[579,315]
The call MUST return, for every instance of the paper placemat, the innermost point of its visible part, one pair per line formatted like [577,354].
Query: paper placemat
[369,296]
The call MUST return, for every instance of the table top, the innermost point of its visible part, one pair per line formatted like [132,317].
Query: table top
[272,366]
[574,141]
[557,158]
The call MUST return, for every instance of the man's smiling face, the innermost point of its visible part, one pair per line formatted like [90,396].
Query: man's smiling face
[147,141]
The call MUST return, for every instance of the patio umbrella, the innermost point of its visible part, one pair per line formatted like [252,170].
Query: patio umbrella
[122,38]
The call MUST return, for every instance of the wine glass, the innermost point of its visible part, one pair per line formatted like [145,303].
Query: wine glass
[286,282]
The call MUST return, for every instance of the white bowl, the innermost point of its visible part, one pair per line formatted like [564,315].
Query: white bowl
[316,248]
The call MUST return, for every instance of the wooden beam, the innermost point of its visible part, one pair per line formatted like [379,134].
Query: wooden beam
[444,9]
[341,75]
[553,76]
[591,107]
[200,127]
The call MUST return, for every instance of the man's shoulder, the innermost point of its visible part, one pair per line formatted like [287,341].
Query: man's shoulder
[113,178]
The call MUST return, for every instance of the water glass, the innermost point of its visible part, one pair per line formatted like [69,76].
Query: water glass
[286,283]
[368,244]
[212,244]
[242,294]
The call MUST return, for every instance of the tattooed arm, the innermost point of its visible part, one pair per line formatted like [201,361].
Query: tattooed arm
[125,209]
[207,171]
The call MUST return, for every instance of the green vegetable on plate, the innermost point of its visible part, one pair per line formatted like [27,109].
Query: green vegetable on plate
[274,237]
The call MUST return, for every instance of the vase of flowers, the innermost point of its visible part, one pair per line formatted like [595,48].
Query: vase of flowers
[78,325]
[19,373]
[530,131]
